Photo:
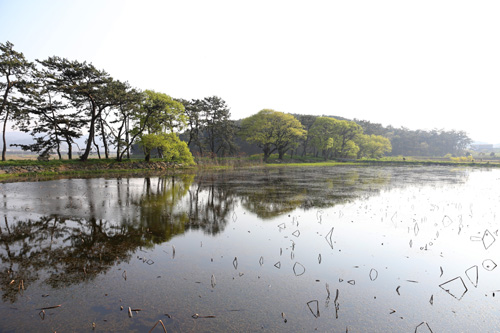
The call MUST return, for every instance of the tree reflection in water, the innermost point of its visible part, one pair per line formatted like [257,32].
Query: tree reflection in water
[61,249]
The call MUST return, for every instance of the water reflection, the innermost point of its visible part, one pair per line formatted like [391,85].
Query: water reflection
[80,228]
[61,251]
[158,204]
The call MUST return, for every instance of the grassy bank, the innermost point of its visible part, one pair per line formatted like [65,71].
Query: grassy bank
[13,170]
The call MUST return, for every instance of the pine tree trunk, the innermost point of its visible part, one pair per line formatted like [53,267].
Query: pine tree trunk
[4,149]
[104,141]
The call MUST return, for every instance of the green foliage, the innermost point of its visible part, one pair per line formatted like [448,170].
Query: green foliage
[169,146]
[335,138]
[182,153]
[157,120]
[373,146]
[462,159]
[272,131]
[322,135]
[404,141]
[347,132]
[161,113]
[350,150]
[210,129]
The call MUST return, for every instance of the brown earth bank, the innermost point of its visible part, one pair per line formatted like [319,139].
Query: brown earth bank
[142,165]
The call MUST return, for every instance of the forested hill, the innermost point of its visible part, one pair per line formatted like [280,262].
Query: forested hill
[436,142]
[404,141]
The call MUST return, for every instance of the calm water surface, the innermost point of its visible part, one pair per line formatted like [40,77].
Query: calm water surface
[379,249]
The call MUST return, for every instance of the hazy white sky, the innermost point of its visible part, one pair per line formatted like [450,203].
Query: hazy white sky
[419,64]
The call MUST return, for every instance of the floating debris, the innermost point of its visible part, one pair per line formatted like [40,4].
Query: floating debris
[351,282]
[319,215]
[235,217]
[296,233]
[298,269]
[373,274]
[411,243]
[473,275]
[328,238]
[393,217]
[196,316]
[416,229]
[278,265]
[158,322]
[397,290]
[423,327]
[130,312]
[314,307]
[432,300]
[327,290]
[261,261]
[50,307]
[455,287]
[488,239]
[447,221]
[235,263]
[284,317]
[392,311]
[337,304]
[173,252]
[292,255]
[319,258]
[441,268]
[42,314]
[489,265]
[282,226]
[212,281]
[412,281]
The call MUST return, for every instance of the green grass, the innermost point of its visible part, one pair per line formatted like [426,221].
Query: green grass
[312,164]
[60,162]
[217,164]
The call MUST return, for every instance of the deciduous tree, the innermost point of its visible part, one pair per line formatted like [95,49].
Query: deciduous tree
[374,146]
[272,131]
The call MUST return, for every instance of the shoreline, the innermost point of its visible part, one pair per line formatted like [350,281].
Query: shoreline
[12,171]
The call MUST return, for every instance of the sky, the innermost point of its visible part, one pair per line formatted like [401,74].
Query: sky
[418,64]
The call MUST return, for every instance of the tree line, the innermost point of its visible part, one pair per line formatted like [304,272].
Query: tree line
[58,100]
